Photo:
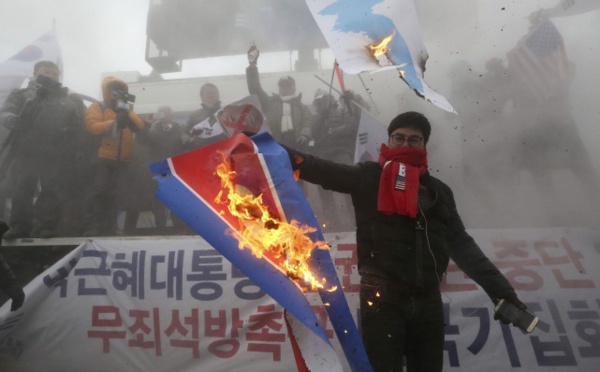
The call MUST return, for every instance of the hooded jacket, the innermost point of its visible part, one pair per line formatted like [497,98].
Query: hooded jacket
[411,251]
[100,120]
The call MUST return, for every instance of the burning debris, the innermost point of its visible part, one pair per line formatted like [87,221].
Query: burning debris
[265,234]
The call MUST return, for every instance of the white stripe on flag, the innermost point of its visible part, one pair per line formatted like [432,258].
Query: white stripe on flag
[540,61]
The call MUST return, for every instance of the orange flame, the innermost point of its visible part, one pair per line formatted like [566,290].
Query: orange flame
[267,235]
[381,48]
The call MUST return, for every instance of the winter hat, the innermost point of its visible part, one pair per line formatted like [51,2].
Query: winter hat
[286,80]
[411,119]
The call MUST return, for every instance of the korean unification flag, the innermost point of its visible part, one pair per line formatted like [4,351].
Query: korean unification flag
[17,68]
[352,26]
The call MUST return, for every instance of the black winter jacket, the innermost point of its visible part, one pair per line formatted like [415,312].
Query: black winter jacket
[411,251]
[48,123]
[272,106]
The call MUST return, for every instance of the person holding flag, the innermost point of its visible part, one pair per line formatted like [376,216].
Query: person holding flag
[202,127]
[408,229]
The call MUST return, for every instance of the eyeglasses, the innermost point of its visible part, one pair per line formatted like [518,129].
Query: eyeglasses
[413,141]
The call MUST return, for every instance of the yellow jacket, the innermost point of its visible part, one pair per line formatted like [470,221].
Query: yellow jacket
[116,144]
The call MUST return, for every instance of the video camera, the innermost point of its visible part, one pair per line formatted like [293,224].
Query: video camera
[125,100]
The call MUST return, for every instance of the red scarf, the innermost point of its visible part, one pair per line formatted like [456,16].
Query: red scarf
[399,183]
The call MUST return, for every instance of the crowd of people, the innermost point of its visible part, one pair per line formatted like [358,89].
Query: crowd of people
[71,169]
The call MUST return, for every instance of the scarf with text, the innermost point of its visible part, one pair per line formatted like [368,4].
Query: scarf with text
[399,183]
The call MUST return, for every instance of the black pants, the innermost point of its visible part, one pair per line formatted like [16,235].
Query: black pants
[397,324]
[46,209]
[101,201]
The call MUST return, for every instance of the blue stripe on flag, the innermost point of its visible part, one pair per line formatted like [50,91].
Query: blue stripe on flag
[295,205]
[202,219]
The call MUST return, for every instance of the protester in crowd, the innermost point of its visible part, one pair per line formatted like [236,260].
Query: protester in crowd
[202,127]
[6,179]
[479,98]
[407,230]
[334,134]
[114,122]
[8,280]
[160,141]
[44,122]
[289,120]
[546,139]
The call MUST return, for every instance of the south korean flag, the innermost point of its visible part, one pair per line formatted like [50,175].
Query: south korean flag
[207,128]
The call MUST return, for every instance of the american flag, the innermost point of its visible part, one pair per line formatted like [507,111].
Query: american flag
[540,61]
[401,178]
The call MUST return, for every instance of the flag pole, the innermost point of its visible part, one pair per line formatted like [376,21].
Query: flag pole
[377,112]
[338,92]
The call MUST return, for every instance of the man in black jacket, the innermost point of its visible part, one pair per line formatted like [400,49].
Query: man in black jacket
[407,230]
[290,121]
[202,127]
[44,122]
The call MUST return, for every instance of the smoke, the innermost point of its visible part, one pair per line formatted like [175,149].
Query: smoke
[479,152]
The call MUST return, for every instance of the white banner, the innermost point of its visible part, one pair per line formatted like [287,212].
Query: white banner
[176,305]
[369,137]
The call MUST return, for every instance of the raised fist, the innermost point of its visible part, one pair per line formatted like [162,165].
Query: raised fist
[253,54]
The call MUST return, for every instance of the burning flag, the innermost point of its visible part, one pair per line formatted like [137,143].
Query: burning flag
[241,197]
[373,35]
[244,115]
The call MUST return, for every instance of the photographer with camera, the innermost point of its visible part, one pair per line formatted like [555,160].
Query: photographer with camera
[114,123]
[44,122]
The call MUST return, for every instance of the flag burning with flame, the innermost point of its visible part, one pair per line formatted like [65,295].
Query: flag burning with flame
[379,51]
[241,197]
[286,244]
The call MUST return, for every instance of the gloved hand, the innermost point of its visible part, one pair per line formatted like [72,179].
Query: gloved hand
[348,96]
[253,54]
[15,292]
[124,121]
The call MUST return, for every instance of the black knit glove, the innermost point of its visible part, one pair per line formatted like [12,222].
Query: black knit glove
[15,292]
